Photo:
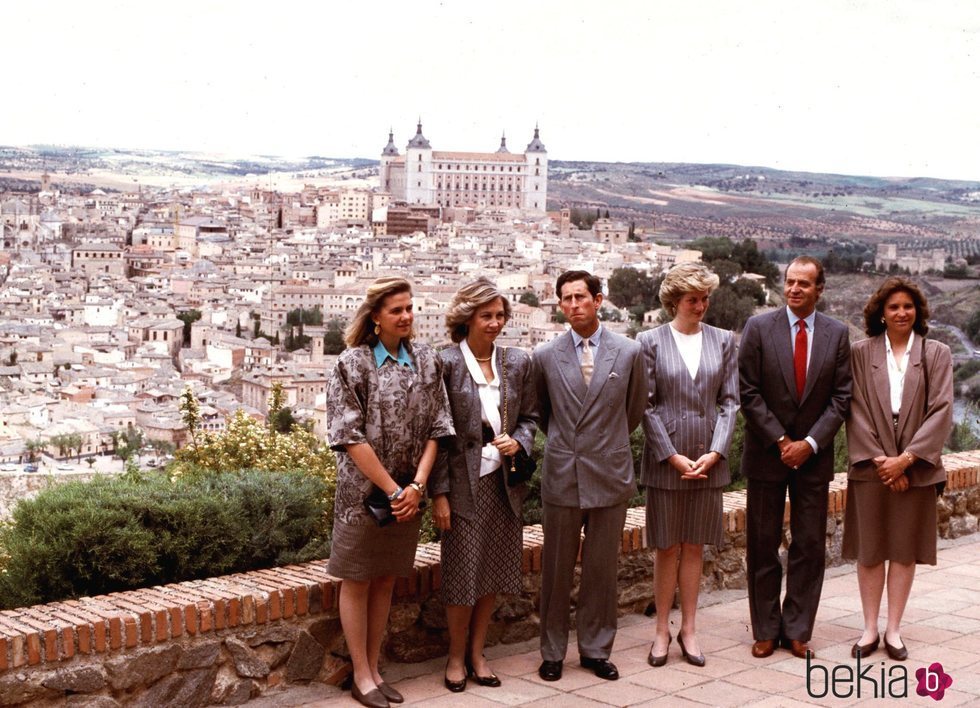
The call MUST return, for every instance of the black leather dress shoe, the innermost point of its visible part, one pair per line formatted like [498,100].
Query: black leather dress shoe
[603,668]
[550,670]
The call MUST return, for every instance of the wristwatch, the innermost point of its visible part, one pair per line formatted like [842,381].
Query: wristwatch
[780,439]
[418,487]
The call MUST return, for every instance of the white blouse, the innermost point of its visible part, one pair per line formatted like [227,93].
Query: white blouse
[490,458]
[689,346]
[896,372]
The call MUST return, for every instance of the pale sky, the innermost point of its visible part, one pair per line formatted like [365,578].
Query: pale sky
[877,87]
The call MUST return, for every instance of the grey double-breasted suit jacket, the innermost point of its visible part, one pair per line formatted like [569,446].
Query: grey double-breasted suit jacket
[457,468]
[587,460]
[684,415]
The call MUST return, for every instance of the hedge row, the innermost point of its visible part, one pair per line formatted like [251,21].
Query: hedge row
[89,538]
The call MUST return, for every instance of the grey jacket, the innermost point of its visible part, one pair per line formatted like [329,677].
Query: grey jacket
[587,460]
[457,468]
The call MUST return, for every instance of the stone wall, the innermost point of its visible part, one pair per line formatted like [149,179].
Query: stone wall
[15,486]
[225,640]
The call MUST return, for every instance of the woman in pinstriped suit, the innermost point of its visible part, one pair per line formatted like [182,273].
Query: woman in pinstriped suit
[689,421]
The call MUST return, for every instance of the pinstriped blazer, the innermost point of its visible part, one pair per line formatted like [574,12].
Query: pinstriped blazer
[684,415]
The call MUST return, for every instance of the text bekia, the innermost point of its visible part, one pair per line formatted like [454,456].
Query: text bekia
[860,680]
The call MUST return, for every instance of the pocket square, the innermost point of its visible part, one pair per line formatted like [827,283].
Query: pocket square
[613,375]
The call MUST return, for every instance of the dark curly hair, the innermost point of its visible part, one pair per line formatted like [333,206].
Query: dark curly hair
[874,311]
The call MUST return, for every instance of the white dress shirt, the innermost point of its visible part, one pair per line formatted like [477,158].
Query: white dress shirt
[896,372]
[490,458]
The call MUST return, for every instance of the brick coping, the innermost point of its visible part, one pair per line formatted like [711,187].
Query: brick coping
[57,632]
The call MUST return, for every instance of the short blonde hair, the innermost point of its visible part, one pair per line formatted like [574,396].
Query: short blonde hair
[466,301]
[361,328]
[685,278]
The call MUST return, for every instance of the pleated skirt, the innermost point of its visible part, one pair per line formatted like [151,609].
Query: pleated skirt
[366,551]
[684,516]
[882,525]
[482,555]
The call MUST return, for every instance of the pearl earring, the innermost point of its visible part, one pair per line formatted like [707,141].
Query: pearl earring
[377,329]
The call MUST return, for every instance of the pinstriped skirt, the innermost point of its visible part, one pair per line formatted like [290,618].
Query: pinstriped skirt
[482,555]
[684,516]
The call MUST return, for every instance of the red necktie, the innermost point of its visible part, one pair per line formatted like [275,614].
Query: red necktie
[799,359]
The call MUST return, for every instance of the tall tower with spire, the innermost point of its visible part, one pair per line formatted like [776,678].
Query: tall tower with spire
[388,155]
[536,185]
[418,169]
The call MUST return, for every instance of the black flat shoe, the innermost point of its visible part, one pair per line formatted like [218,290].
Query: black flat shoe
[662,659]
[454,686]
[372,699]
[390,693]
[691,659]
[896,653]
[865,650]
[603,668]
[491,681]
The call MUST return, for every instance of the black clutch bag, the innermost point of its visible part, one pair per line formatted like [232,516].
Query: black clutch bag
[379,507]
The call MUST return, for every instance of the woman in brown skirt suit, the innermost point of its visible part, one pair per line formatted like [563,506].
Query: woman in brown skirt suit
[689,422]
[901,414]
[386,408]
[494,414]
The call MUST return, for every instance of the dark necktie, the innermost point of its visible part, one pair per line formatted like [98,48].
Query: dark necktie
[799,359]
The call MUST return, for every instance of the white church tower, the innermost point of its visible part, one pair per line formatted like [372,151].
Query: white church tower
[419,187]
[536,183]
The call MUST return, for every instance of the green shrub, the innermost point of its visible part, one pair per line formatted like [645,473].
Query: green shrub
[90,538]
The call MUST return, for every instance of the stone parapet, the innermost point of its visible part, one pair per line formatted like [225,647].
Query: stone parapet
[228,639]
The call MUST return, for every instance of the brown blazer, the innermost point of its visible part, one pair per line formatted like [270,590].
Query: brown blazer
[922,426]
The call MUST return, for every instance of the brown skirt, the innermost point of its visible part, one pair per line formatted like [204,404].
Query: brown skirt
[684,516]
[366,551]
[482,555]
[881,525]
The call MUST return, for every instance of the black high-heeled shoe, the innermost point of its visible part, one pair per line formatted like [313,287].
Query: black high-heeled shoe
[691,659]
[491,681]
[662,659]
[454,686]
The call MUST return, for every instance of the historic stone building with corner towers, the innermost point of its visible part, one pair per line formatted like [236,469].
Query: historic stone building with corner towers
[501,179]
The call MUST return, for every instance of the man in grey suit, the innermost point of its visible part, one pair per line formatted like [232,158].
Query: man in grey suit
[592,391]
[795,382]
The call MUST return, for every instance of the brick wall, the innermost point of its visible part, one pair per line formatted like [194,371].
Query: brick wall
[228,639]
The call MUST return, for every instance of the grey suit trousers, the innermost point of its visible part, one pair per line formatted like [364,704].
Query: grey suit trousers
[598,597]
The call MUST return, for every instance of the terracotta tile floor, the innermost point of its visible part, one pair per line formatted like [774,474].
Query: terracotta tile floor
[942,624]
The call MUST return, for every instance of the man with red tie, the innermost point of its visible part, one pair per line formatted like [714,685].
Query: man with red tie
[795,378]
